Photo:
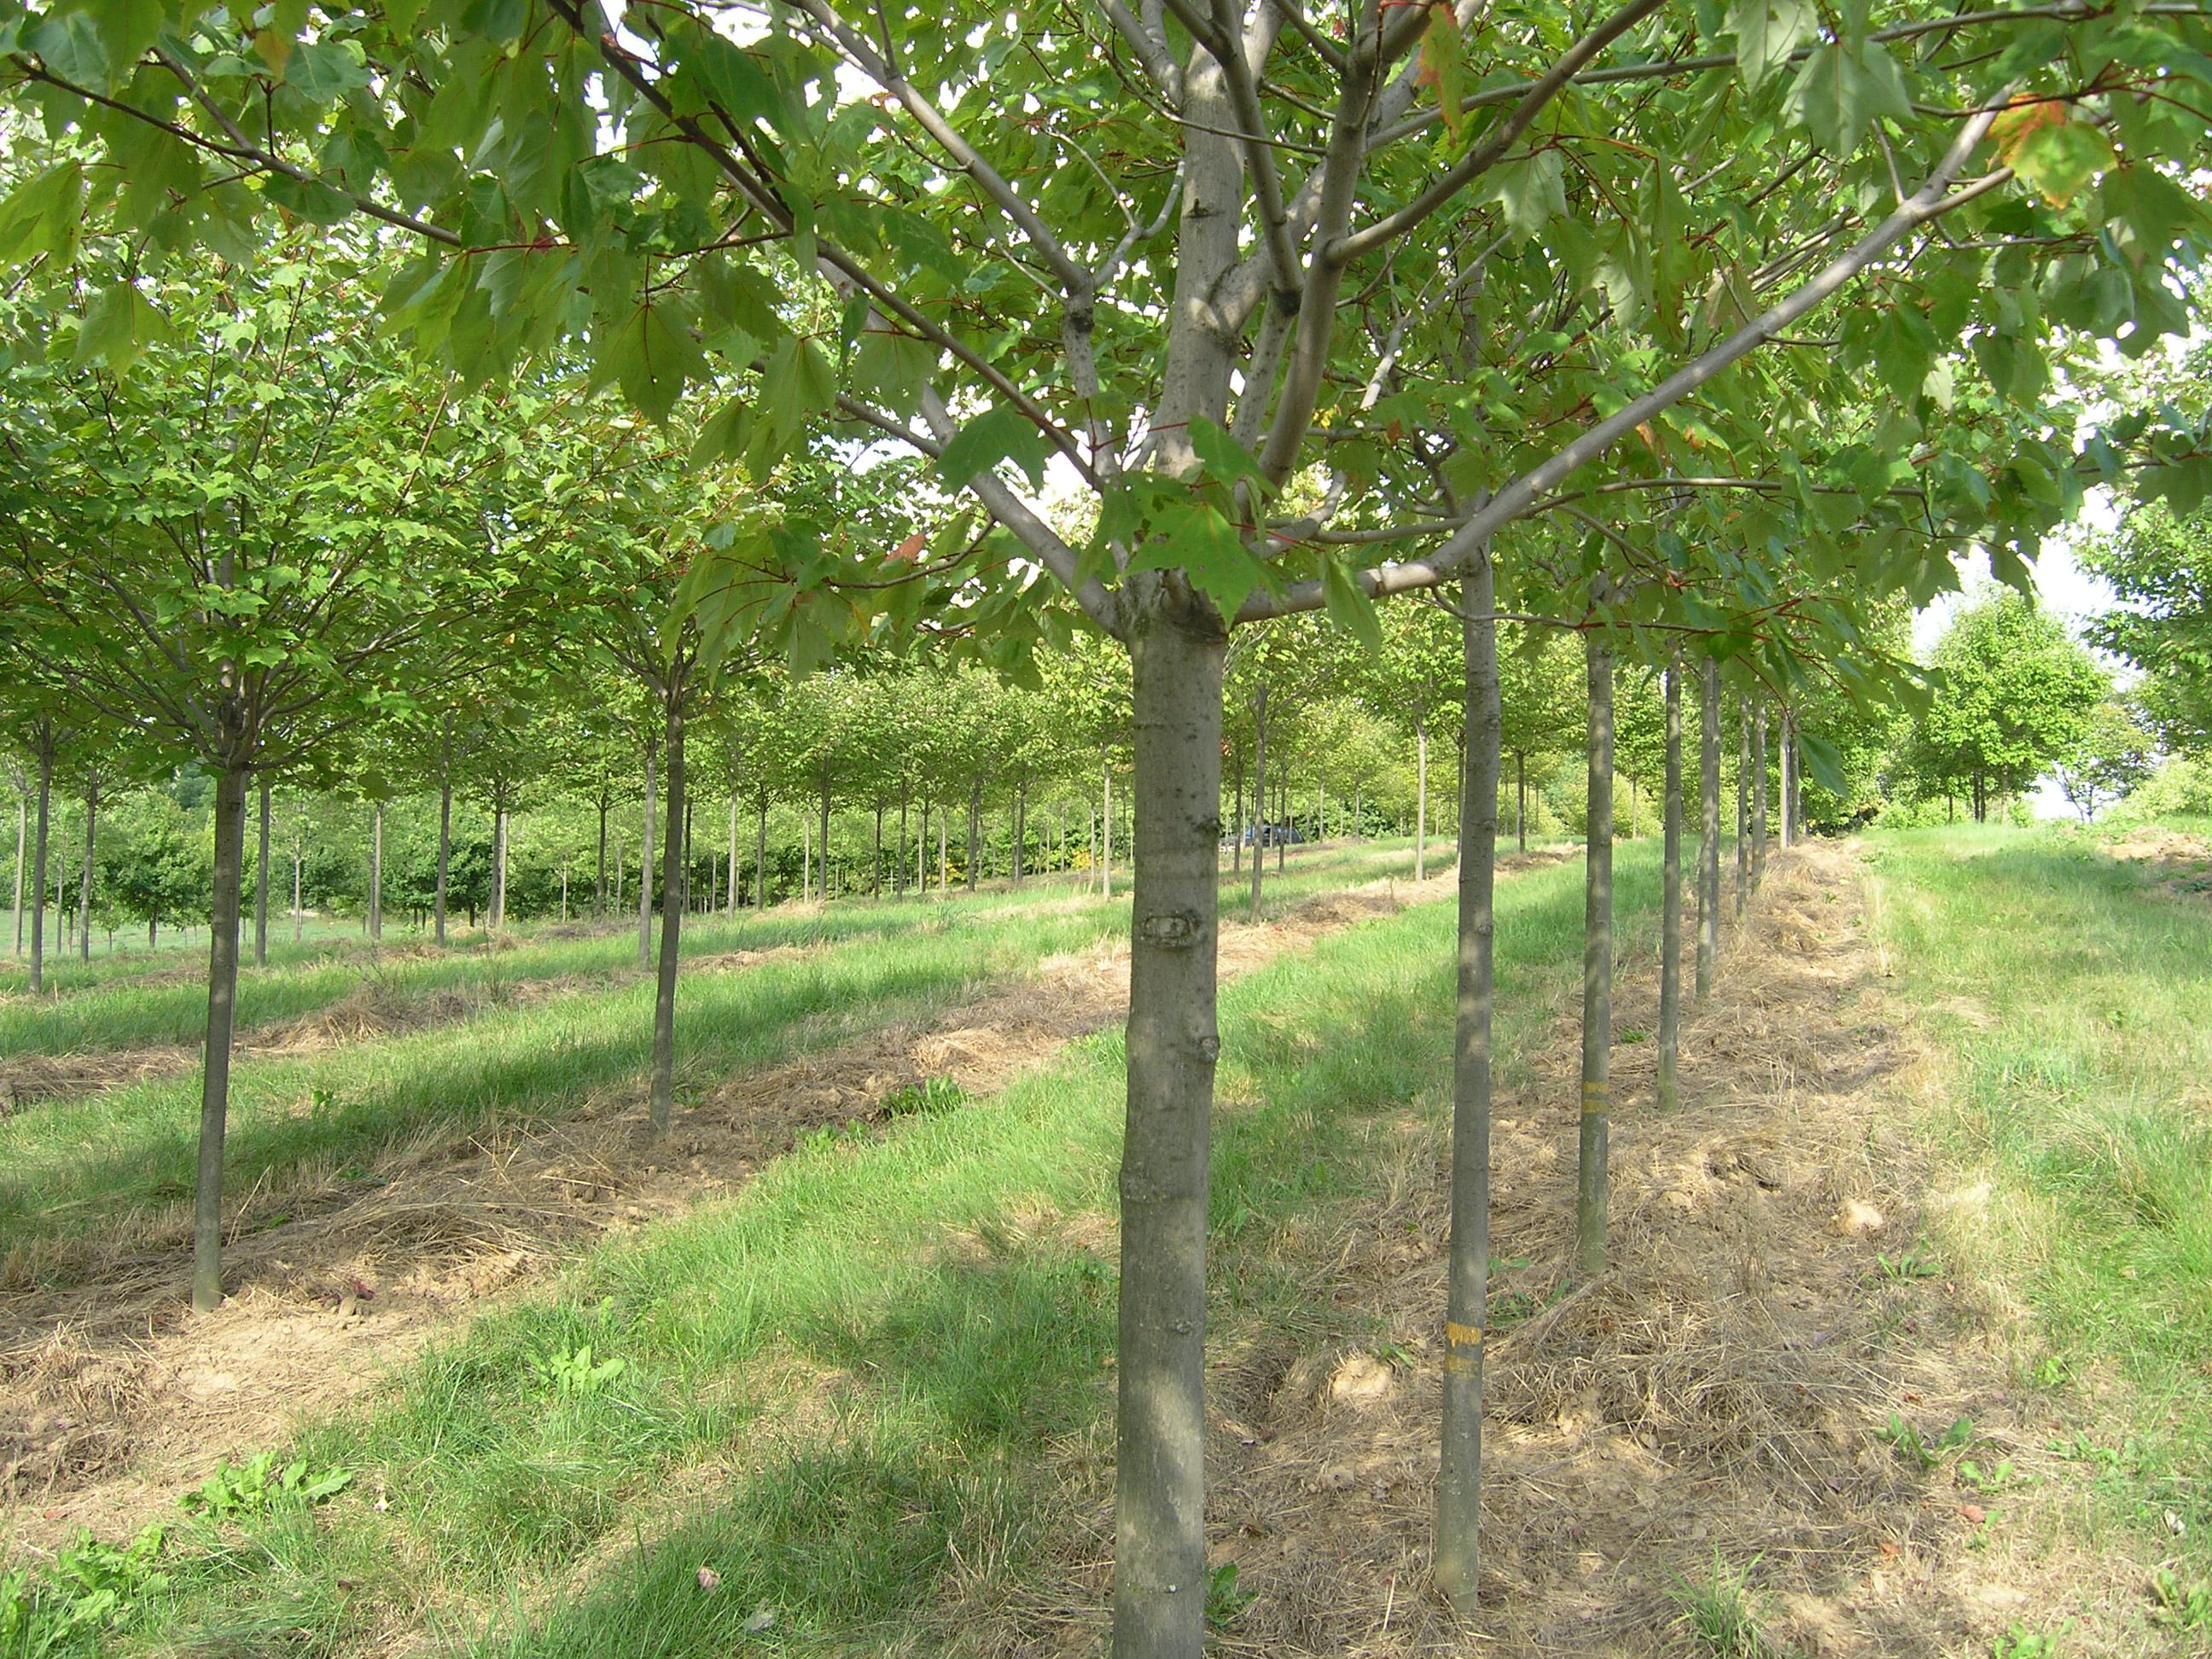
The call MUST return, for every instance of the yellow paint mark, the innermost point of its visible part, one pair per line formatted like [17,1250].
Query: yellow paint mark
[1594,1098]
[1463,1365]
[1462,1335]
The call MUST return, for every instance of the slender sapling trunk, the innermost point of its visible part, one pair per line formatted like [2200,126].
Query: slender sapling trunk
[672,924]
[215,1069]
[1591,1193]
[261,886]
[1709,827]
[1670,904]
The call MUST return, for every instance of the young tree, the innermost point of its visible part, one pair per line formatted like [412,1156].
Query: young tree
[2115,753]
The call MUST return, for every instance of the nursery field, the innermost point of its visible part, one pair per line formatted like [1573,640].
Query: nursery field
[1905,1349]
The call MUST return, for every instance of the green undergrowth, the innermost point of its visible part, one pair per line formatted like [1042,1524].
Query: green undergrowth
[139,1001]
[2073,1001]
[839,1390]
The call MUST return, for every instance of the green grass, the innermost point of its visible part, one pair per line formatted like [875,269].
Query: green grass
[2076,1009]
[840,1388]
[138,1001]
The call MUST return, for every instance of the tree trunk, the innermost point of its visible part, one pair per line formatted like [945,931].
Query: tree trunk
[22,850]
[1459,1481]
[733,900]
[1237,835]
[1283,818]
[1259,793]
[261,886]
[645,873]
[495,918]
[84,891]
[1521,799]
[1421,801]
[446,833]
[898,867]
[1758,796]
[825,842]
[299,917]
[1670,902]
[215,1069]
[1742,808]
[376,873]
[600,875]
[760,857]
[944,855]
[38,873]
[1159,1581]
[1022,826]
[1590,1187]
[876,869]
[671,922]
[974,832]
[1708,828]
[1782,763]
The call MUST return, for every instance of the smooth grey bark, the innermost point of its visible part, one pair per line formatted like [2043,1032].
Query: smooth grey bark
[731,903]
[261,886]
[1021,828]
[1177,647]
[1459,1482]
[22,850]
[974,832]
[600,876]
[1105,830]
[84,889]
[1709,827]
[495,913]
[1521,799]
[39,872]
[1742,808]
[760,857]
[1421,800]
[446,833]
[1591,1191]
[376,871]
[1758,796]
[299,917]
[1785,764]
[825,841]
[222,1018]
[1670,901]
[672,914]
[1259,792]
[645,874]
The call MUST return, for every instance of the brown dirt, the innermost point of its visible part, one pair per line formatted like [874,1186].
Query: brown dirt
[2180,866]
[113,1397]
[1720,1390]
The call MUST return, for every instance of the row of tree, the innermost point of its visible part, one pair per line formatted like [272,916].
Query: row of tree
[1709,338]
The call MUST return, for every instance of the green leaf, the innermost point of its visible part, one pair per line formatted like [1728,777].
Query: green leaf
[2060,157]
[1767,31]
[740,294]
[999,434]
[1532,191]
[119,325]
[1843,90]
[1223,456]
[1196,538]
[893,369]
[1349,606]
[323,71]
[42,215]
[1444,66]
[733,80]
[650,356]
[723,437]
[307,198]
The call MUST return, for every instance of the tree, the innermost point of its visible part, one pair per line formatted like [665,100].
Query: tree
[2113,755]
[2159,563]
[2015,694]
[234,545]
[1485,280]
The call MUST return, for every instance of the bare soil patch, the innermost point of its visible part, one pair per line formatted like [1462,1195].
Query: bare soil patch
[113,1397]
[1725,1388]
[2178,865]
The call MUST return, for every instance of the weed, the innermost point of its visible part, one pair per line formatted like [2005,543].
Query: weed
[259,1483]
[569,1372]
[92,1589]
[1718,1613]
[1987,1481]
[1224,1602]
[932,1094]
[1918,1262]
[2021,1643]
[2183,1606]
[1914,1448]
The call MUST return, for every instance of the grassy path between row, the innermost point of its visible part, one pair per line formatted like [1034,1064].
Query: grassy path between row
[837,1389]
[308,1122]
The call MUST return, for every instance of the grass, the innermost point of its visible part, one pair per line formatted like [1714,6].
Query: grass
[71,1166]
[1718,1615]
[2075,1008]
[141,1001]
[865,1380]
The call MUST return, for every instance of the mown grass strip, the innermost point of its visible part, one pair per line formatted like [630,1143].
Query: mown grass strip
[2075,1005]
